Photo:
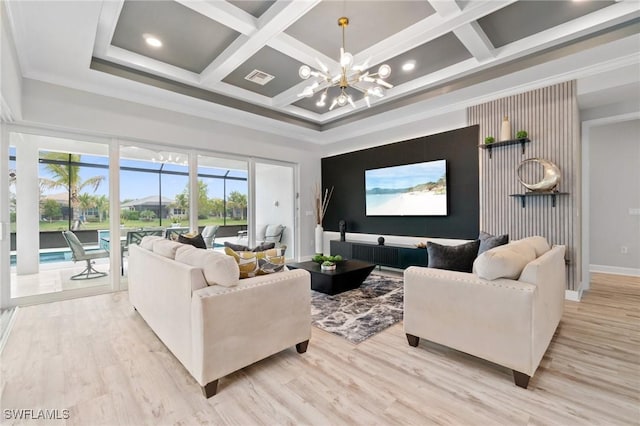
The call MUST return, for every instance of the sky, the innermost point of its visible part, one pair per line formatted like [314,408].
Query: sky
[405,176]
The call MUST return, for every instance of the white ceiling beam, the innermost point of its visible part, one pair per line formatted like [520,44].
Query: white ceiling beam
[107,21]
[428,29]
[153,66]
[470,35]
[476,41]
[604,18]
[224,13]
[296,49]
[274,21]
[303,53]
[243,94]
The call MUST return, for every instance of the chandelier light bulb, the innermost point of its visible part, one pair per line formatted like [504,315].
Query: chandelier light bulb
[384,71]
[304,72]
[342,99]
[346,59]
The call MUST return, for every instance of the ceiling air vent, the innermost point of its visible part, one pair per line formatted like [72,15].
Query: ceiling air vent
[259,77]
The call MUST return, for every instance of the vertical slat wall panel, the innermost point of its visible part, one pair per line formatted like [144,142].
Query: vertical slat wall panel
[550,116]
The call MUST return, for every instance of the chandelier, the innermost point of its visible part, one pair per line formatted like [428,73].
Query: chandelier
[350,76]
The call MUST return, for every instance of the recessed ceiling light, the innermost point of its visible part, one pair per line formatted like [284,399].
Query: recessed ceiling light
[152,40]
[409,66]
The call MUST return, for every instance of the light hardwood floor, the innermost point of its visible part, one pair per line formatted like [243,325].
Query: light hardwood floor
[96,357]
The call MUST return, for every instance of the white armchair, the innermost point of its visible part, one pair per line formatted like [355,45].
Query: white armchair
[506,321]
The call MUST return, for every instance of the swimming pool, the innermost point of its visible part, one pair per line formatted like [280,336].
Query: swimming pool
[61,255]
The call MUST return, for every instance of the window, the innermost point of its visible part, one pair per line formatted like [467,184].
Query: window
[154,188]
[222,191]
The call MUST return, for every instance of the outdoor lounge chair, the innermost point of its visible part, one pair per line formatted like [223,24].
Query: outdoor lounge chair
[273,234]
[209,235]
[78,254]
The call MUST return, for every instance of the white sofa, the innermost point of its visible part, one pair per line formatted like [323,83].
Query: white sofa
[210,320]
[505,312]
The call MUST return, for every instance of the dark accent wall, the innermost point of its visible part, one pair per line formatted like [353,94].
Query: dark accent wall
[346,173]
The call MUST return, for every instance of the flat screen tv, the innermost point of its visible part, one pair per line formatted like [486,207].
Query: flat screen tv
[408,190]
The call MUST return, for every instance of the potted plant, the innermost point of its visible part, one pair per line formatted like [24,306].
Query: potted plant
[489,140]
[522,134]
[175,222]
[328,266]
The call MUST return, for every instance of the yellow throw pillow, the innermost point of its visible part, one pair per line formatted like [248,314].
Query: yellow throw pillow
[252,264]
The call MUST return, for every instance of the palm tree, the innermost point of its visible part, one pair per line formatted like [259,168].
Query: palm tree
[64,175]
[101,204]
[85,202]
[237,200]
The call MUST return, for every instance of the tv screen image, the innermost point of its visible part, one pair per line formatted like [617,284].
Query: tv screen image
[408,190]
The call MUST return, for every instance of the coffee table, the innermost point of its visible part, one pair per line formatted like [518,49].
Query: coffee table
[349,274]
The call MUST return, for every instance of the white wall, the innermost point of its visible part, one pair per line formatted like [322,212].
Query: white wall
[10,75]
[73,110]
[614,189]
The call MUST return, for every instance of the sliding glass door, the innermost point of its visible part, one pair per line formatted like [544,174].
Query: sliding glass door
[223,193]
[58,199]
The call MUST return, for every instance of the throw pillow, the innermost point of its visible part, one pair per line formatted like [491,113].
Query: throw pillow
[454,258]
[166,248]
[197,241]
[147,241]
[488,241]
[236,247]
[505,261]
[253,264]
[539,244]
[264,246]
[217,268]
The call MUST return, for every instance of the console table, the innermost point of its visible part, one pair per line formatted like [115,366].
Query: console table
[392,256]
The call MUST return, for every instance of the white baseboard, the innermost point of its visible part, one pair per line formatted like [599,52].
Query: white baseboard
[573,295]
[616,270]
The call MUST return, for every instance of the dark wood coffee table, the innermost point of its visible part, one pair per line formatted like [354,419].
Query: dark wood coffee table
[349,274]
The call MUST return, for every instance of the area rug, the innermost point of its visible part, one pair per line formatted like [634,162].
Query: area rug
[358,314]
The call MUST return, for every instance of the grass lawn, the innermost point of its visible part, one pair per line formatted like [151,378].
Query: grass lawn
[61,225]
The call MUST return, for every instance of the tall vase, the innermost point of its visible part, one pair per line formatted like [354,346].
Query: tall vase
[505,130]
[319,239]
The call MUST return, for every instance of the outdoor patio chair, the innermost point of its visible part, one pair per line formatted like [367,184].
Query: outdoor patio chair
[273,234]
[78,254]
[209,235]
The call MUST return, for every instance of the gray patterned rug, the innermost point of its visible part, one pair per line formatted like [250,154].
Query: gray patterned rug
[358,314]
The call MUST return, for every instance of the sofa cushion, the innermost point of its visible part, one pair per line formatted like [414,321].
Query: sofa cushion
[240,247]
[539,244]
[454,258]
[252,264]
[264,246]
[147,241]
[166,248]
[488,241]
[217,268]
[505,261]
[196,241]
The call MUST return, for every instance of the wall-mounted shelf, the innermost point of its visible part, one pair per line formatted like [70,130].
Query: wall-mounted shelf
[490,146]
[551,194]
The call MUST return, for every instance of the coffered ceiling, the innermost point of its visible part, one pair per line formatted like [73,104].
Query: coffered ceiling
[210,47]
